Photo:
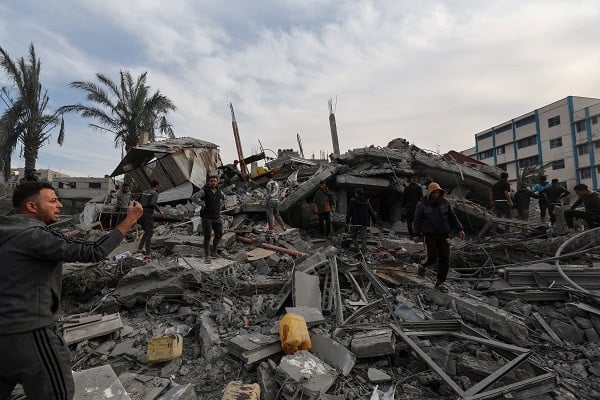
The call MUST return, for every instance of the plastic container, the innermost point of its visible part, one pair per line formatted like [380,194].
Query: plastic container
[237,390]
[293,334]
[165,348]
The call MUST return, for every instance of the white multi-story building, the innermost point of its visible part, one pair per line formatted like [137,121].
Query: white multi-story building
[565,135]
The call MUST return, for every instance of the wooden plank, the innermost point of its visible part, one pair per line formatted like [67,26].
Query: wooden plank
[108,324]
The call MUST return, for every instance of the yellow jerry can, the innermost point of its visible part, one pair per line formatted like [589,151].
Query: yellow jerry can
[165,348]
[293,333]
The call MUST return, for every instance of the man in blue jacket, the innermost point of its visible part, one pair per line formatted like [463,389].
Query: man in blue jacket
[433,218]
[32,350]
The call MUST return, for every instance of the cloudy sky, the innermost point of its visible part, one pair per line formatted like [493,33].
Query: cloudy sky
[433,72]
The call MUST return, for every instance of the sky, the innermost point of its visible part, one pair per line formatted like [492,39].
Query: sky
[432,72]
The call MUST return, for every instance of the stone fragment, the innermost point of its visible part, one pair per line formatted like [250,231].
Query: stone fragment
[210,338]
[98,383]
[568,333]
[333,353]
[583,323]
[411,390]
[591,335]
[306,372]
[267,381]
[377,376]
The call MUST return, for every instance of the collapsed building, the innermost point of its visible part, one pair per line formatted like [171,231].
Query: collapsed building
[521,321]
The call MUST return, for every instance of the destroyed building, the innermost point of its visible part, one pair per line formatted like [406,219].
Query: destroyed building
[521,320]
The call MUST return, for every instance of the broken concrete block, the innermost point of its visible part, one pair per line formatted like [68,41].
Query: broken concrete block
[179,392]
[377,376]
[333,353]
[237,390]
[307,372]
[591,335]
[190,240]
[98,383]
[210,338]
[267,380]
[373,344]
[143,386]
[567,332]
[217,265]
[185,250]
[312,316]
[306,291]
[254,347]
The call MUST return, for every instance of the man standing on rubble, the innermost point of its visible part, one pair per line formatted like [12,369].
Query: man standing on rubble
[433,218]
[591,200]
[554,195]
[500,199]
[324,205]
[413,193]
[272,203]
[149,201]
[33,351]
[522,201]
[123,196]
[212,200]
[358,218]
[539,188]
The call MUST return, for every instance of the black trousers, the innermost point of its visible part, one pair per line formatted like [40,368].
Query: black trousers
[502,209]
[438,248]
[410,218]
[325,223]
[592,221]
[38,360]
[208,226]
[147,222]
[543,207]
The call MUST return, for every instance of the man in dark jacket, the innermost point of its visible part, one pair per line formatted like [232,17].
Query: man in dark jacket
[433,218]
[412,195]
[539,188]
[591,201]
[522,201]
[500,200]
[148,200]
[324,205]
[212,200]
[358,218]
[554,195]
[32,350]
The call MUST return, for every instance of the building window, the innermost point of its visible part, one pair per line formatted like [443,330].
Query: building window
[503,129]
[499,150]
[525,121]
[95,185]
[554,143]
[585,173]
[580,126]
[583,149]
[484,136]
[594,120]
[553,121]
[528,141]
[558,164]
[486,154]
[502,166]
[529,161]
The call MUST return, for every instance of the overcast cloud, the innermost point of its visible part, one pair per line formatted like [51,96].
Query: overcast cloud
[433,72]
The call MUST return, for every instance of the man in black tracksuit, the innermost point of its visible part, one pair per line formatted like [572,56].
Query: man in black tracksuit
[433,218]
[212,200]
[32,351]
[358,218]
[149,199]
[413,193]
[554,195]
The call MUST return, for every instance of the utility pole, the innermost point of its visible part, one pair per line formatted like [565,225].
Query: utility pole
[238,143]
[333,128]
[300,144]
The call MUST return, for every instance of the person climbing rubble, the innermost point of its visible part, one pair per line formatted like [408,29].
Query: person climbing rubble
[212,201]
[324,205]
[500,200]
[148,200]
[522,201]
[555,194]
[411,196]
[34,352]
[272,203]
[591,201]
[433,218]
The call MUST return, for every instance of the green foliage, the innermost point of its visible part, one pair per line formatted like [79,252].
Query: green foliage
[126,109]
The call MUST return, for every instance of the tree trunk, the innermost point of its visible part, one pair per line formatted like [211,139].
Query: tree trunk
[32,147]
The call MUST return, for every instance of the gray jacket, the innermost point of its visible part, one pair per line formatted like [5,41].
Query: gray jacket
[31,271]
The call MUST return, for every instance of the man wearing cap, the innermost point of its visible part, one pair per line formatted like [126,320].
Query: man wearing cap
[433,217]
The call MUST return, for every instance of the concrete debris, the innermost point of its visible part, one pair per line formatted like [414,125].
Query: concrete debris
[98,383]
[510,326]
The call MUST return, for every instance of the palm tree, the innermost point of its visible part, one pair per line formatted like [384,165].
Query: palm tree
[25,119]
[126,110]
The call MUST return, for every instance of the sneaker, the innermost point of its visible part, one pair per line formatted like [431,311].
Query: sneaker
[442,287]
[421,271]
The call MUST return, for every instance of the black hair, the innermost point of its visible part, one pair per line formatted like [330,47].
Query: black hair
[154,184]
[322,182]
[581,186]
[26,191]
[359,192]
[555,180]
[504,175]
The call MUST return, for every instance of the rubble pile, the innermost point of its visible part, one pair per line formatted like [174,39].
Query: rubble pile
[522,318]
